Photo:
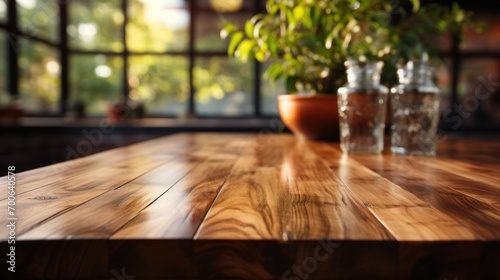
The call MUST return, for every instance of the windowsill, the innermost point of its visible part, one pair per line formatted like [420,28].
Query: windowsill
[142,123]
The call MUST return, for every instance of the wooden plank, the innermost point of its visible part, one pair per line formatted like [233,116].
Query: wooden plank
[159,180]
[110,170]
[289,195]
[248,208]
[69,170]
[467,149]
[253,202]
[38,205]
[480,156]
[187,202]
[160,148]
[211,208]
[402,213]
[323,207]
[479,217]
[103,215]
[475,181]
[478,172]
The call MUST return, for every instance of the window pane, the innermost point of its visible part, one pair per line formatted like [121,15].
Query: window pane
[224,87]
[39,82]
[161,82]
[3,10]
[442,42]
[95,80]
[157,26]
[208,23]
[479,92]
[3,66]
[95,25]
[39,18]
[443,81]
[488,40]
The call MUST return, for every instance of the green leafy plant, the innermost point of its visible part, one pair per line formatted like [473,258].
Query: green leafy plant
[308,41]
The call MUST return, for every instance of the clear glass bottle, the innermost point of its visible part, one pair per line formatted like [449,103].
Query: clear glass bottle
[415,110]
[362,108]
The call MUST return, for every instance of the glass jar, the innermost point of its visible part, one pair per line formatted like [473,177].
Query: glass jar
[415,110]
[362,108]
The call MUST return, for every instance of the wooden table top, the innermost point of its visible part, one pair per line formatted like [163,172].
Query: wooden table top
[254,187]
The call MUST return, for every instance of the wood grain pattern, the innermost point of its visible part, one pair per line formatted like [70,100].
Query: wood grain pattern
[333,211]
[50,201]
[187,203]
[74,169]
[406,216]
[139,180]
[481,218]
[202,205]
[258,210]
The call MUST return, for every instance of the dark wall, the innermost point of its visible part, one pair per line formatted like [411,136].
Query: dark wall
[28,148]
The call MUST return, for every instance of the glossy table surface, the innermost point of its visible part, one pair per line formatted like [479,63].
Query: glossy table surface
[263,201]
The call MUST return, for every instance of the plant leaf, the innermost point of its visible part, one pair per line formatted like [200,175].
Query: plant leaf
[235,40]
[274,72]
[244,50]
[256,29]
[290,84]
[333,35]
[260,55]
[230,27]
[249,27]
[299,12]
[307,18]
[416,5]
[257,18]
[271,7]
[292,21]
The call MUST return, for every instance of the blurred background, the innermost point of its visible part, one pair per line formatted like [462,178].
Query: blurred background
[64,62]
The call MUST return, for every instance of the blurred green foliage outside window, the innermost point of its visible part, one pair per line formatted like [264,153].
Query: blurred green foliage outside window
[169,50]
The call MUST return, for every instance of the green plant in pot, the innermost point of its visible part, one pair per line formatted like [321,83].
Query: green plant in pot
[307,43]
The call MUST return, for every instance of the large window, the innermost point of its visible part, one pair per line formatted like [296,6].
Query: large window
[478,81]
[168,54]
[165,53]
[3,64]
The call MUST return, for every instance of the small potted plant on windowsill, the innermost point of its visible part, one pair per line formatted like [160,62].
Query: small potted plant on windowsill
[308,41]
[11,110]
[79,109]
[118,111]
[121,110]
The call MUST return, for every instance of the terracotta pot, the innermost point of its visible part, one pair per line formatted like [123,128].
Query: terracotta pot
[12,112]
[310,117]
[118,111]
